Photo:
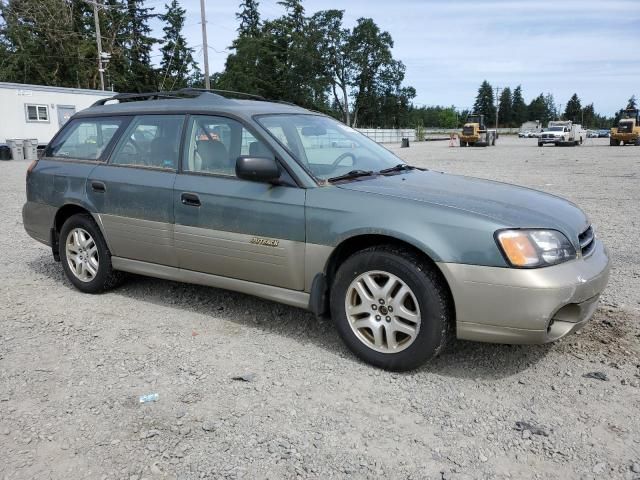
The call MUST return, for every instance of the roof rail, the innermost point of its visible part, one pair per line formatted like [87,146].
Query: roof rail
[133,97]
[185,92]
[222,93]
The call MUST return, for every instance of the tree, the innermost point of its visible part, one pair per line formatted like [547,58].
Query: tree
[484,103]
[142,75]
[539,110]
[177,68]
[631,103]
[333,42]
[518,107]
[249,18]
[505,109]
[589,119]
[48,42]
[573,110]
[550,103]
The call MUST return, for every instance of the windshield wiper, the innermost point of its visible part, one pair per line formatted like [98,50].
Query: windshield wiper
[351,174]
[398,168]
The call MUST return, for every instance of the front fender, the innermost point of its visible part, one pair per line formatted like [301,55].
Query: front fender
[445,234]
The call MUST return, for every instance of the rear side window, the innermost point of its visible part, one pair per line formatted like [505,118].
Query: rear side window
[85,138]
[150,141]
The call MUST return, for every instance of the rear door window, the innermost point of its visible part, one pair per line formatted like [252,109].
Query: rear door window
[85,138]
[150,141]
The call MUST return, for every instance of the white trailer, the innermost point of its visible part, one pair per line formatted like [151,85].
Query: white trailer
[562,132]
[37,111]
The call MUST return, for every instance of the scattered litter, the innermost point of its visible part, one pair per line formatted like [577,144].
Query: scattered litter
[597,376]
[151,397]
[521,426]
[247,377]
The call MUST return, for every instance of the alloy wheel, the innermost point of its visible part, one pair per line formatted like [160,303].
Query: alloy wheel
[82,254]
[382,311]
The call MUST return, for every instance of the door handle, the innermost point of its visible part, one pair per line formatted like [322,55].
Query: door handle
[98,187]
[190,199]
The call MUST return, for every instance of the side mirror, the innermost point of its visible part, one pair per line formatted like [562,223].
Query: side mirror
[258,169]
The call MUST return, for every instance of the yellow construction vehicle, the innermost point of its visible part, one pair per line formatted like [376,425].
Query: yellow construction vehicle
[628,130]
[476,133]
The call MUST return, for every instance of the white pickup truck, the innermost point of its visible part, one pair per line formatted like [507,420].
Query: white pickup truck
[562,132]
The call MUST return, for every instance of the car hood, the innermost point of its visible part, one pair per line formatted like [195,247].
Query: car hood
[511,205]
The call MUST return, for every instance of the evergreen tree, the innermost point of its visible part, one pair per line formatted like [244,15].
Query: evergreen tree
[551,108]
[142,75]
[505,112]
[177,68]
[589,119]
[631,103]
[573,110]
[539,110]
[518,107]
[485,104]
[249,18]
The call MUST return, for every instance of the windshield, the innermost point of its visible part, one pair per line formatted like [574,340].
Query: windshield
[326,147]
[555,129]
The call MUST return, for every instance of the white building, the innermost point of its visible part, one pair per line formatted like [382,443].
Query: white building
[36,111]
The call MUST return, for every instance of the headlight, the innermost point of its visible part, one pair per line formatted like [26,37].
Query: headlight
[534,248]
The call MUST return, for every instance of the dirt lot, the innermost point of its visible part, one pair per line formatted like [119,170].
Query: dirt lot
[73,365]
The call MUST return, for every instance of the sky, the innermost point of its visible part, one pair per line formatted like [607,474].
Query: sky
[449,47]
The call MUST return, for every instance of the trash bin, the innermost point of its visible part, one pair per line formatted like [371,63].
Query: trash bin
[30,148]
[405,143]
[16,146]
[5,152]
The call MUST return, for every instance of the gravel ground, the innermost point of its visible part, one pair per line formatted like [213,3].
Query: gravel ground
[73,365]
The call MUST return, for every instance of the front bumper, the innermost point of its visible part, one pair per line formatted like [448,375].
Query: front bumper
[508,305]
[550,140]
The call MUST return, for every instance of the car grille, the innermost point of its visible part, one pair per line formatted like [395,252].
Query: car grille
[587,241]
[547,135]
[467,131]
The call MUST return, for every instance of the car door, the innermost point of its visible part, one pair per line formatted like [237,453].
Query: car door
[133,192]
[231,227]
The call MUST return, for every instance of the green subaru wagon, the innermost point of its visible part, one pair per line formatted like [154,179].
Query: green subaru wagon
[276,201]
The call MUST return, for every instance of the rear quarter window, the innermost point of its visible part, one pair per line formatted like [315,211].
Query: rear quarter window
[85,138]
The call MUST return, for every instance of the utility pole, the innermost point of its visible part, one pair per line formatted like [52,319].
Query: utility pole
[205,46]
[497,106]
[99,42]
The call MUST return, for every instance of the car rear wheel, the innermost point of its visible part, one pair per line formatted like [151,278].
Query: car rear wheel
[391,308]
[85,258]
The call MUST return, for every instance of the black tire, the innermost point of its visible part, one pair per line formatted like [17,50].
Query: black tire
[539,144]
[106,277]
[613,142]
[436,312]
[463,144]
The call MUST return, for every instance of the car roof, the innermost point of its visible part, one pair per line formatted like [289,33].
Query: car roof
[187,101]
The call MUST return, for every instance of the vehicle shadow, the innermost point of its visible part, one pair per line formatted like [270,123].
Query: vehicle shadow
[462,359]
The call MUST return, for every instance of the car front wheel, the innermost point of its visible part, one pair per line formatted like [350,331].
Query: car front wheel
[391,308]
[85,258]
